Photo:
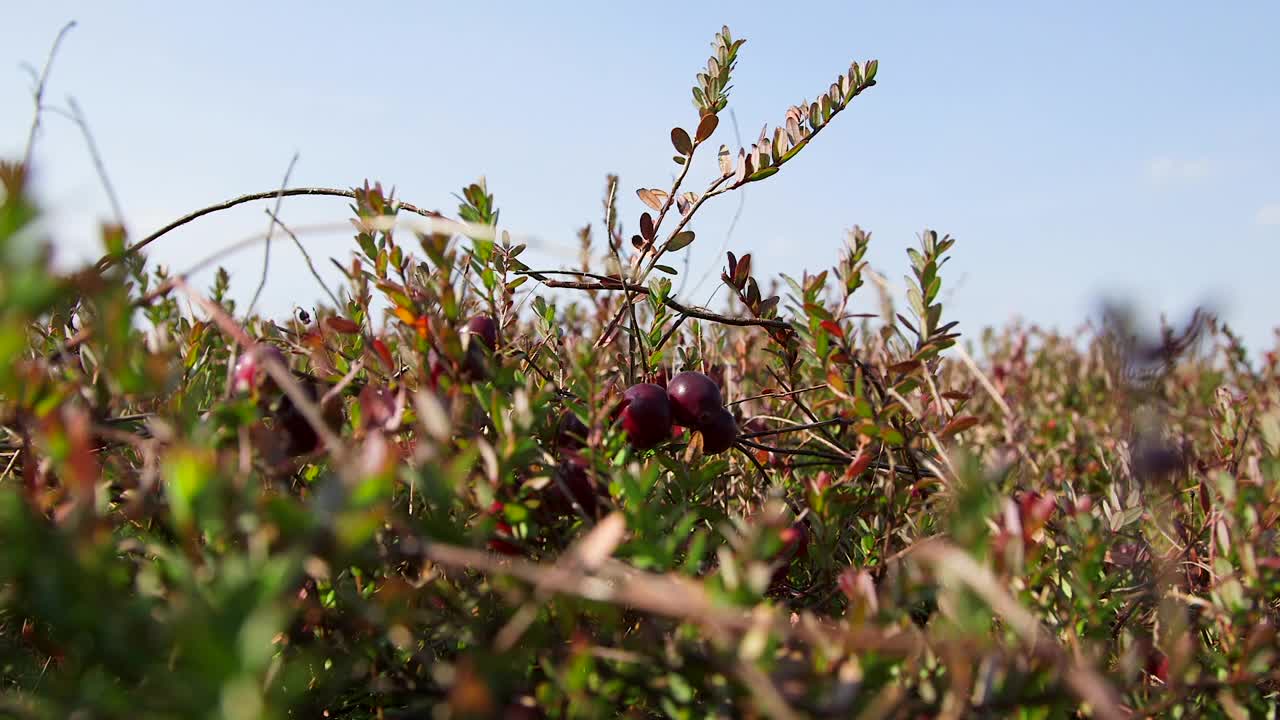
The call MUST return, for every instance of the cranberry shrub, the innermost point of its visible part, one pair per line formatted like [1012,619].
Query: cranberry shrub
[436,498]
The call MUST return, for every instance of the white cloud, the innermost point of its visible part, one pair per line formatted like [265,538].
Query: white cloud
[1268,214]
[1169,169]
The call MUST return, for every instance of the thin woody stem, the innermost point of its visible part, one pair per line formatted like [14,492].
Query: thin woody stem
[111,260]
[612,284]
[796,428]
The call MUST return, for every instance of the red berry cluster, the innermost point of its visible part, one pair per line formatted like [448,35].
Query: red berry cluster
[691,400]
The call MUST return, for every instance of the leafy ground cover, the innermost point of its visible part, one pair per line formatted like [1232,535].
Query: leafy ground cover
[468,487]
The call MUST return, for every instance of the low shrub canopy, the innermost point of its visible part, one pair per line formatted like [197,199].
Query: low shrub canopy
[434,497]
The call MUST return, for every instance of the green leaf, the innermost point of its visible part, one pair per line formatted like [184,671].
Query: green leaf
[680,241]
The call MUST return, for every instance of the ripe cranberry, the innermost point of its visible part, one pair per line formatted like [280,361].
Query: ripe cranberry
[646,415]
[719,433]
[573,473]
[795,541]
[484,329]
[695,398]
[659,377]
[300,435]
[251,369]
[501,545]
[571,433]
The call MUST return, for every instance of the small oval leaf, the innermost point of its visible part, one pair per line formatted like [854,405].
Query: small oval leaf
[680,139]
[680,241]
[646,226]
[706,127]
[652,197]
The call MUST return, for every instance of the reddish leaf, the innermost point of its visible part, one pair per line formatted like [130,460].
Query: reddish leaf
[743,271]
[958,424]
[380,348]
[859,465]
[646,226]
[706,127]
[342,325]
[905,368]
[833,328]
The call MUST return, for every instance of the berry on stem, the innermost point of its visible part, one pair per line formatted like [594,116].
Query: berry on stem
[646,415]
[484,329]
[719,432]
[695,399]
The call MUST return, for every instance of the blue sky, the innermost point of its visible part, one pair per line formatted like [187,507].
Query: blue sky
[1076,150]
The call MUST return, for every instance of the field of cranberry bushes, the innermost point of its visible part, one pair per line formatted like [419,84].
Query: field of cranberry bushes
[471,488]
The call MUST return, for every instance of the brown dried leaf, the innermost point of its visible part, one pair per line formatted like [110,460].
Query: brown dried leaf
[654,198]
[646,226]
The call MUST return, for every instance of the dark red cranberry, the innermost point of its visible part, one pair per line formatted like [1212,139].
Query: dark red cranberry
[476,364]
[573,474]
[795,541]
[695,398]
[301,437]
[251,369]
[719,433]
[646,415]
[484,329]
[571,433]
[504,547]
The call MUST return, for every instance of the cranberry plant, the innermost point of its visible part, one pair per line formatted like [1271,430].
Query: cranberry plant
[454,493]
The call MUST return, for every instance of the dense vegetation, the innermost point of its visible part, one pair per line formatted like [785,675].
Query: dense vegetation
[452,493]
